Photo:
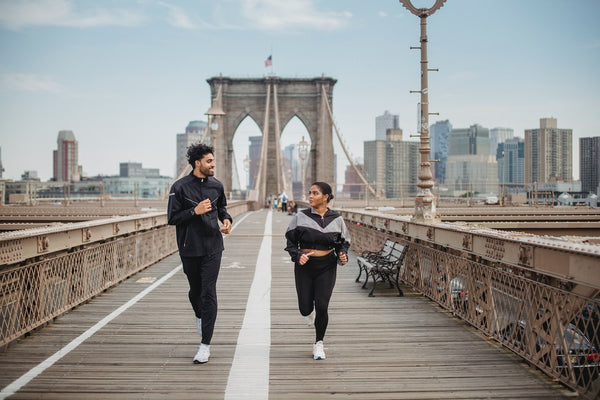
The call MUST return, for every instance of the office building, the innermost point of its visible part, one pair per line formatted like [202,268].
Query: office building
[476,173]
[510,156]
[374,155]
[589,164]
[385,122]
[548,153]
[136,181]
[254,151]
[499,135]
[470,167]
[193,134]
[392,165]
[354,187]
[472,140]
[439,134]
[65,158]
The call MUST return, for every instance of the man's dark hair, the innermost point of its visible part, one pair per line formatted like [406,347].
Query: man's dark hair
[197,151]
[325,189]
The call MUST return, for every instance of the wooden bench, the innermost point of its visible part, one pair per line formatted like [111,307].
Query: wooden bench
[384,267]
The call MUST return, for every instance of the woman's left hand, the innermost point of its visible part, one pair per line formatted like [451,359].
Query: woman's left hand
[343,258]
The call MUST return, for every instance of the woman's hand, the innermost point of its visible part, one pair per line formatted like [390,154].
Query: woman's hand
[343,258]
[304,258]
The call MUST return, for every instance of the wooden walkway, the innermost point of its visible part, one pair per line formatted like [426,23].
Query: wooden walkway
[386,347]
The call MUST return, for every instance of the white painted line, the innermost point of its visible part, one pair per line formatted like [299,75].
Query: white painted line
[249,374]
[35,371]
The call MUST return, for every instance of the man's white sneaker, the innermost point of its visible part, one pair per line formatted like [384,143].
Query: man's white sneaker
[202,355]
[318,351]
[310,318]
[199,326]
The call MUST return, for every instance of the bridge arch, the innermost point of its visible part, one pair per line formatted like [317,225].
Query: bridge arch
[272,102]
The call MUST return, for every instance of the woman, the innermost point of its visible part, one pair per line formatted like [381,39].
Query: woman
[317,238]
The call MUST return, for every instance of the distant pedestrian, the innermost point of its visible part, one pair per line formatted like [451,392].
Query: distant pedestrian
[317,238]
[196,203]
[284,202]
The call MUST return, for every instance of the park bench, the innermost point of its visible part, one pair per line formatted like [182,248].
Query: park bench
[383,266]
[368,257]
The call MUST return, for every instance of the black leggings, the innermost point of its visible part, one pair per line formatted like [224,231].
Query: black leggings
[314,284]
[202,273]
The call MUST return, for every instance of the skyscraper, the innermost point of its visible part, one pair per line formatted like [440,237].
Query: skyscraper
[385,122]
[392,165]
[193,134]
[548,153]
[499,135]
[65,158]
[470,165]
[439,133]
[589,164]
[511,161]
[254,151]
[472,140]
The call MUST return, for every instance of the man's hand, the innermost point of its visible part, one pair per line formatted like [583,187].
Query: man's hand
[203,207]
[226,226]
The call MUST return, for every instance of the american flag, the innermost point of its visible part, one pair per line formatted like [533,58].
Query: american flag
[268,61]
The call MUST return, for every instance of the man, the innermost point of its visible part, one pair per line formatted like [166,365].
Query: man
[196,203]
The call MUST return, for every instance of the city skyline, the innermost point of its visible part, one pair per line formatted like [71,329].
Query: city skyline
[127,77]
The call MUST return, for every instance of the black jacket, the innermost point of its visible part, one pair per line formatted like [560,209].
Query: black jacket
[197,235]
[308,230]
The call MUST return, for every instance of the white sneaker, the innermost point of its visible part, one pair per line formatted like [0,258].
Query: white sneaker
[310,318]
[199,326]
[202,355]
[318,351]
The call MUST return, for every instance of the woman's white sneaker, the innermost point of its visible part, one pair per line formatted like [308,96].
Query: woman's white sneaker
[318,351]
[203,354]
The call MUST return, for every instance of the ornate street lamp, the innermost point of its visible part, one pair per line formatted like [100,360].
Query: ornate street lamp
[425,207]
[303,153]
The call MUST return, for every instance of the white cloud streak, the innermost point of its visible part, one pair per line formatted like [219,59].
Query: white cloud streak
[16,15]
[31,83]
[278,14]
[178,17]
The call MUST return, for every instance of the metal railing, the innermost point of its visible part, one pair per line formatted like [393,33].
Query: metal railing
[549,316]
[46,272]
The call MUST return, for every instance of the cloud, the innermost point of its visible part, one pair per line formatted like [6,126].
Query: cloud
[15,15]
[382,14]
[31,83]
[277,14]
[177,17]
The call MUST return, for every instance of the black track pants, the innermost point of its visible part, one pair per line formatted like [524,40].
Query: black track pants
[314,284]
[202,273]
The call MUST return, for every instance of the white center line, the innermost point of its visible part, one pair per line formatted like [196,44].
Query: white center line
[249,374]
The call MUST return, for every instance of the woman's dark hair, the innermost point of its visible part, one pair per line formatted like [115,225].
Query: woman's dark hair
[325,189]
[197,151]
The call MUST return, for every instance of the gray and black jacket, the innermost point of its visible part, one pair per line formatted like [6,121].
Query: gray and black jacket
[197,235]
[308,230]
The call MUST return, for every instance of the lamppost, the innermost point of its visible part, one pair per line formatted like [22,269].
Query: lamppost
[425,207]
[303,153]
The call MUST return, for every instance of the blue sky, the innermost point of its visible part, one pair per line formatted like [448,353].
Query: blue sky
[127,75]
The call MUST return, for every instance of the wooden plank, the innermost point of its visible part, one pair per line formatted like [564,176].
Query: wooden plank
[386,347]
